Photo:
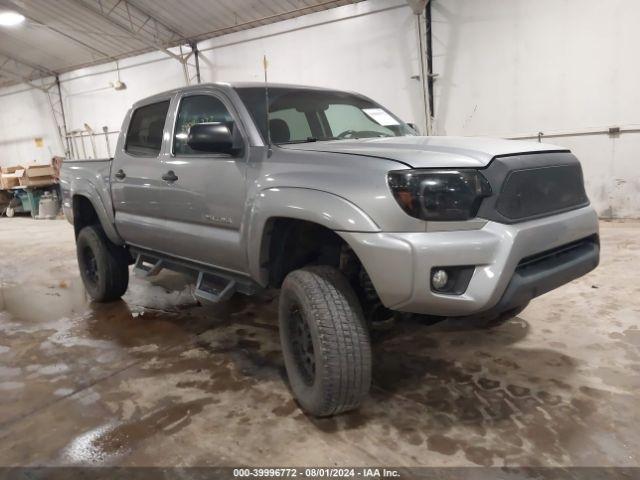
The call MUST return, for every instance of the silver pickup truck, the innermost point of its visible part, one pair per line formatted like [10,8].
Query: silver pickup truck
[337,202]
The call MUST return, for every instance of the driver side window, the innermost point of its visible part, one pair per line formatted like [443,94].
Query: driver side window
[296,122]
[198,109]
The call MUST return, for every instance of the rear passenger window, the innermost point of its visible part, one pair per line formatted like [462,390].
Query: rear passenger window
[145,130]
[198,109]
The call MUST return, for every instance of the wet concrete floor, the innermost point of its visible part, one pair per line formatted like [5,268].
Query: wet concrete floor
[156,380]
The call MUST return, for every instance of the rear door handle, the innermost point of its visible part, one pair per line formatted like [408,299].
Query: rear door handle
[170,176]
[120,174]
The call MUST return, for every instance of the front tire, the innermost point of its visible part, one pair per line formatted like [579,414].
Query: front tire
[103,265]
[325,342]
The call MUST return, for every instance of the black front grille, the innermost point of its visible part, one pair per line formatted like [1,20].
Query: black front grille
[539,191]
[529,186]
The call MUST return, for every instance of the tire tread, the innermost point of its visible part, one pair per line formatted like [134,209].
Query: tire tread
[116,267]
[345,346]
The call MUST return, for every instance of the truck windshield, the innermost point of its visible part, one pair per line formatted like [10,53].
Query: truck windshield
[298,115]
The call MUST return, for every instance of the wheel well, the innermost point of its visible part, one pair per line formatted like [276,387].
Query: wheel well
[83,213]
[290,244]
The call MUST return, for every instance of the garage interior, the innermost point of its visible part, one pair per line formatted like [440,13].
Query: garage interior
[158,379]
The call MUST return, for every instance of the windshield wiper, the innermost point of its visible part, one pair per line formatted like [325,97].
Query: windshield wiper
[308,140]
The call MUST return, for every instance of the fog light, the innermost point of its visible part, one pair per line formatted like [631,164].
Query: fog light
[439,279]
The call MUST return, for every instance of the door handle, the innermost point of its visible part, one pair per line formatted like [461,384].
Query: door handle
[120,174]
[170,176]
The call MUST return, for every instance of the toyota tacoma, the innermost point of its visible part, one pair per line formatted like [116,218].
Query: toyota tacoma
[337,202]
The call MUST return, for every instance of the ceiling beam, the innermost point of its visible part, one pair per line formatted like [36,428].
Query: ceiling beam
[296,12]
[39,68]
[21,78]
[75,40]
[131,31]
[171,29]
[82,44]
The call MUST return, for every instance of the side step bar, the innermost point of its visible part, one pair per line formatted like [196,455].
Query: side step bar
[213,289]
[212,285]
[147,266]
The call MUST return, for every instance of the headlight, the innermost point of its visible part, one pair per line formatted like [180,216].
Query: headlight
[439,194]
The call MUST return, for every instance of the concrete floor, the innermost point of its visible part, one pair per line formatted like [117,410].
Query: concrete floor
[157,380]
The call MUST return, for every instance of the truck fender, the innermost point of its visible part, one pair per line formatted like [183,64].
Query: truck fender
[88,191]
[316,206]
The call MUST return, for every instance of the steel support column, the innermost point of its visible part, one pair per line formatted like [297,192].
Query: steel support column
[422,11]
[429,60]
[56,102]
[196,56]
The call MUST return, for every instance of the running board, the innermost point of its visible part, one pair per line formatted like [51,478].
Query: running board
[212,285]
[147,266]
[212,288]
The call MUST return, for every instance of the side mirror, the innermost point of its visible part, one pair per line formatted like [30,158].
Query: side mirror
[212,138]
[414,127]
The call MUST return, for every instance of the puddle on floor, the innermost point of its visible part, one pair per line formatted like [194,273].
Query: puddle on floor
[68,298]
[35,303]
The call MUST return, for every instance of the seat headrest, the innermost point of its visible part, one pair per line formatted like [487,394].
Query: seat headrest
[279,130]
[156,129]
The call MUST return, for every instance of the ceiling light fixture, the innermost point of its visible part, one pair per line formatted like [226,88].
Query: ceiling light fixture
[9,18]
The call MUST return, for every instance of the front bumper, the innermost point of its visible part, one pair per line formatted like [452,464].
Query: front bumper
[399,264]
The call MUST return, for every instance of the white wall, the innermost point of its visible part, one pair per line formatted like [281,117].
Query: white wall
[510,67]
[506,67]
[370,47]
[24,116]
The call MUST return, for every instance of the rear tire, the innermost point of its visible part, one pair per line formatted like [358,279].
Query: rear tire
[325,343]
[103,265]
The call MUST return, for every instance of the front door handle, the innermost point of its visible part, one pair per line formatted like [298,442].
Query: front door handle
[120,174]
[170,176]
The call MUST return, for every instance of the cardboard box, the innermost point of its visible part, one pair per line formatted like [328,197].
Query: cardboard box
[9,170]
[10,176]
[36,176]
[31,176]
[19,175]
[34,171]
[7,182]
[37,182]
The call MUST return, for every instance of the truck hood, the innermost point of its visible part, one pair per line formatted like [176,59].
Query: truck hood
[429,152]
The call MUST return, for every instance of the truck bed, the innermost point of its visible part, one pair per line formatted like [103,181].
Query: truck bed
[89,177]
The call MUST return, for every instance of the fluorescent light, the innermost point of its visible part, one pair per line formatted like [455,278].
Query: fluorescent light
[10,19]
